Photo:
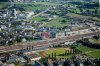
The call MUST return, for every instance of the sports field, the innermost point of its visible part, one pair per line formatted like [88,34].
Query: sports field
[59,53]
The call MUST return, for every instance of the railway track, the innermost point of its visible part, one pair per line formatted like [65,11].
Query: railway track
[39,44]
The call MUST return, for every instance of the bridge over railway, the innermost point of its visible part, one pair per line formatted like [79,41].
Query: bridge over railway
[46,43]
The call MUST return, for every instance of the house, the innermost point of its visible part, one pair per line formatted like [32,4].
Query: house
[3,26]
[55,63]
[12,59]
[53,34]
[3,13]
[66,63]
[38,35]
[60,63]
[78,63]
[1,64]
[28,32]
[46,63]
[88,62]
[46,35]
[32,56]
[50,62]
[77,32]
[60,34]
[21,60]
[37,63]
[24,15]
[10,64]
[97,62]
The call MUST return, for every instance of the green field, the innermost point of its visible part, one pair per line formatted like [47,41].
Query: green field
[58,52]
[18,65]
[55,11]
[38,18]
[36,6]
[89,51]
[84,48]
[31,7]
[3,5]
[42,3]
[76,15]
[95,54]
[47,3]
[94,41]
[57,19]
[56,24]
[81,16]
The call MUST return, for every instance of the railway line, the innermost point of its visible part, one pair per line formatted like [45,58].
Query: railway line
[46,43]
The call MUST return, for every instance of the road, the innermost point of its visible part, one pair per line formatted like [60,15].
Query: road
[45,44]
[40,13]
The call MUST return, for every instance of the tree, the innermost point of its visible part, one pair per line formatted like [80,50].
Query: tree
[55,55]
[52,55]
[49,56]
[98,11]
[73,47]
[20,53]
[66,52]
[86,39]
[63,21]
[96,37]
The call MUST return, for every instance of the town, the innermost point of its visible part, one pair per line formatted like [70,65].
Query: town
[49,33]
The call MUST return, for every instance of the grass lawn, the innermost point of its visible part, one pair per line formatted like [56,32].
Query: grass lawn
[68,56]
[36,6]
[38,18]
[3,4]
[41,3]
[18,65]
[58,52]
[95,54]
[54,10]
[31,7]
[94,41]
[76,15]
[56,24]
[57,19]
[82,16]
[84,48]
[90,51]
[47,3]
[78,10]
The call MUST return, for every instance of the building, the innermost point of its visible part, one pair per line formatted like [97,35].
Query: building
[14,13]
[32,56]
[24,15]
[3,13]
[46,35]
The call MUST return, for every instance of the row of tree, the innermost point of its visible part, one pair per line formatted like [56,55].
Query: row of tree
[54,55]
